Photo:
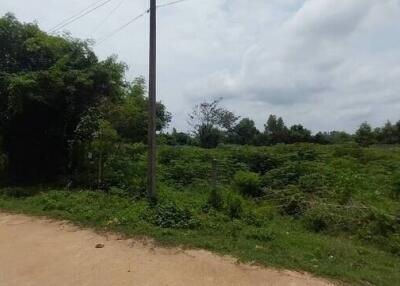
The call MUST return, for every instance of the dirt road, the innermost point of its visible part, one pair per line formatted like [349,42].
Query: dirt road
[38,252]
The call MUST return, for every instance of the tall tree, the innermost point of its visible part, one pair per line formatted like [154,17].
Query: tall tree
[47,84]
[244,133]
[297,133]
[129,116]
[388,134]
[365,135]
[275,130]
[209,122]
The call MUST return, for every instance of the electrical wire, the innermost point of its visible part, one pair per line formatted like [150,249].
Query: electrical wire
[79,16]
[107,17]
[111,34]
[170,3]
[75,15]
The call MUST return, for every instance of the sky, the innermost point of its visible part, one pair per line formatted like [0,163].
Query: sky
[326,64]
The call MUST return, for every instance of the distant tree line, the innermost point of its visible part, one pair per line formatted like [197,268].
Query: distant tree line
[212,125]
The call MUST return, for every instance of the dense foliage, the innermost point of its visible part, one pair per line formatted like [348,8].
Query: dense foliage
[332,210]
[54,92]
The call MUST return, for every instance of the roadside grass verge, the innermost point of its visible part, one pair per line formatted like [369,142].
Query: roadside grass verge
[182,218]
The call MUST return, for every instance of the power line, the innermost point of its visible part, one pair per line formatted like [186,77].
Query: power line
[107,17]
[79,16]
[170,3]
[111,34]
[75,15]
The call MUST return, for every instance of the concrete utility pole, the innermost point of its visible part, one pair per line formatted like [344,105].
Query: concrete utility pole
[151,166]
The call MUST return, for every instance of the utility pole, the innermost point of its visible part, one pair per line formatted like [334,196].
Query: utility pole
[151,166]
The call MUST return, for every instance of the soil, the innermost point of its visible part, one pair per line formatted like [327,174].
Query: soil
[42,252]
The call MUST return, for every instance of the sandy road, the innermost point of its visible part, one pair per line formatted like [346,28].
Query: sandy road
[38,252]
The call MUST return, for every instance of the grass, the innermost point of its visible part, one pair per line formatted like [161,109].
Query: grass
[278,242]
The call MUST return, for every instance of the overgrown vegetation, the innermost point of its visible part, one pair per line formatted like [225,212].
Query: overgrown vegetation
[330,210]
[72,122]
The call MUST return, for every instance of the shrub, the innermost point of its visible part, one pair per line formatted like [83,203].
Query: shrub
[209,136]
[54,201]
[169,215]
[248,183]
[382,224]
[256,160]
[263,235]
[312,183]
[306,155]
[185,172]
[316,220]
[288,174]
[265,212]
[215,199]
[292,201]
[350,150]
[235,206]
[251,218]
[396,186]
[18,192]
[233,229]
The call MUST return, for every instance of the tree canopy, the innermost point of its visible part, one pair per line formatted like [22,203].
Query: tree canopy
[48,85]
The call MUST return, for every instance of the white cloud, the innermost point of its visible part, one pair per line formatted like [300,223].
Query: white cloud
[328,64]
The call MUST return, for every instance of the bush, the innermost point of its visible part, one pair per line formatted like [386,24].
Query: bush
[312,183]
[215,199]
[256,160]
[348,150]
[209,136]
[396,186]
[248,183]
[169,215]
[306,154]
[263,235]
[235,207]
[251,218]
[292,201]
[18,192]
[288,174]
[317,220]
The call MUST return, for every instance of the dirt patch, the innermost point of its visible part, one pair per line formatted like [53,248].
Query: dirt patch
[38,252]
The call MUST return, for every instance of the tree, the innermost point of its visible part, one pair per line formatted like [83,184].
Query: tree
[103,145]
[179,138]
[129,116]
[244,133]
[297,133]
[388,134]
[364,135]
[47,84]
[209,121]
[211,114]
[209,136]
[275,130]
[321,138]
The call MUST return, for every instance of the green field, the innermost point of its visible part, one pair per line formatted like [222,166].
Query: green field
[330,210]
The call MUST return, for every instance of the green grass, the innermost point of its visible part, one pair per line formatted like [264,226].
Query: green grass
[278,241]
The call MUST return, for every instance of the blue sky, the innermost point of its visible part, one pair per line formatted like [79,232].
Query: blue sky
[328,64]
